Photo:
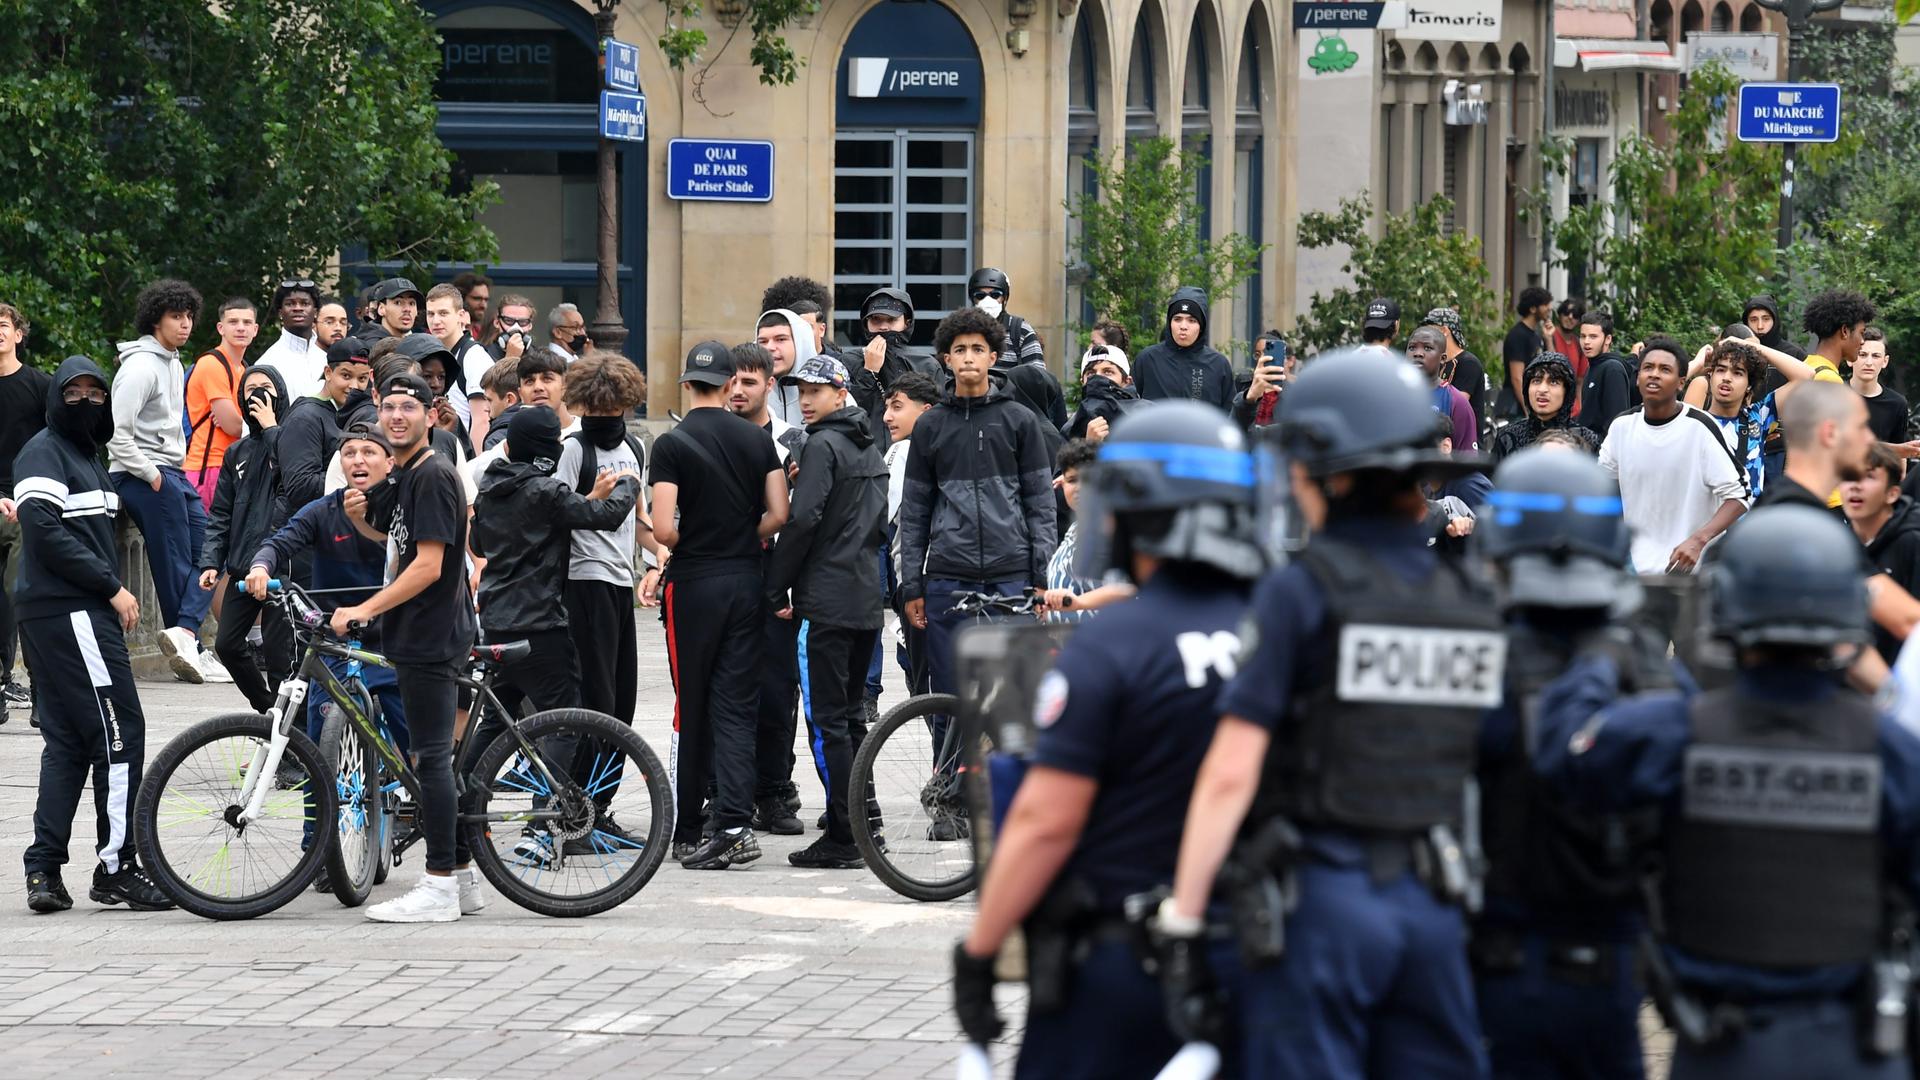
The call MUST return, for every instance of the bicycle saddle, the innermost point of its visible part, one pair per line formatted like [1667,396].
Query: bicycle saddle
[504,652]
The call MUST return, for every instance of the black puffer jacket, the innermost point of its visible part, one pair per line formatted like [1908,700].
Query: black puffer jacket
[309,433]
[978,499]
[827,551]
[1197,372]
[249,503]
[523,522]
[1101,398]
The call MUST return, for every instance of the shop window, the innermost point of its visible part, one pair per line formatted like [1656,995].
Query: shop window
[902,218]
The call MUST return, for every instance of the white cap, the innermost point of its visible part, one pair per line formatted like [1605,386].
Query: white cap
[1113,354]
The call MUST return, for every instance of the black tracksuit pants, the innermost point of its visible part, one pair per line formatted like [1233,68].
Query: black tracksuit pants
[90,721]
[779,697]
[833,688]
[549,677]
[714,648]
[600,619]
[237,611]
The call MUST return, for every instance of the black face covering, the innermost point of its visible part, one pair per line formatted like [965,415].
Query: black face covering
[605,432]
[88,424]
[896,339]
[273,405]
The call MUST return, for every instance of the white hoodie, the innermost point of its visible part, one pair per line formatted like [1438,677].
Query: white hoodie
[785,400]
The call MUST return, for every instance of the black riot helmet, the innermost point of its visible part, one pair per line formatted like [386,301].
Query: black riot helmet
[886,302]
[1175,481]
[988,277]
[1364,408]
[1789,575]
[1553,527]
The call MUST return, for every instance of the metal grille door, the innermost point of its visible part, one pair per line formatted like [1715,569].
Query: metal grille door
[902,217]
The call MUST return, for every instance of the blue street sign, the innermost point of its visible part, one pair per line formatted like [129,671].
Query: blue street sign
[621,63]
[720,170]
[1789,112]
[623,116]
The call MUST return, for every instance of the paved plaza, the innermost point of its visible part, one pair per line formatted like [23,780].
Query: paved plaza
[767,971]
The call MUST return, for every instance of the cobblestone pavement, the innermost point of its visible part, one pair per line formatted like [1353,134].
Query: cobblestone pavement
[768,971]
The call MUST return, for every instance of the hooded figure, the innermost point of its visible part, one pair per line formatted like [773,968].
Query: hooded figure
[1521,434]
[250,505]
[68,559]
[1196,371]
[782,399]
[869,389]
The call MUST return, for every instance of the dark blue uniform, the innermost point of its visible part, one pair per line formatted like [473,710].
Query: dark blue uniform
[1129,704]
[1612,755]
[1374,981]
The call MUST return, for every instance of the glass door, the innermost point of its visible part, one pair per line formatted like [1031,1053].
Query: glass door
[902,217]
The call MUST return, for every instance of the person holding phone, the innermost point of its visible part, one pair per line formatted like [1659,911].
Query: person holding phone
[248,507]
[1273,365]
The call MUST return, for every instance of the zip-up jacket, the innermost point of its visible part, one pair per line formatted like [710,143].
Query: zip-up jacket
[977,504]
[342,558]
[309,434]
[825,553]
[1165,370]
[248,505]
[523,526]
[66,505]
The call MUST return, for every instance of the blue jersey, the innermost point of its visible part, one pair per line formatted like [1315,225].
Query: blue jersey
[1746,435]
[1129,704]
[1608,754]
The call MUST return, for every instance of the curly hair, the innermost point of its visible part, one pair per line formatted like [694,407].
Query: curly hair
[1113,334]
[1835,310]
[1739,356]
[603,384]
[168,296]
[1075,454]
[970,320]
[790,290]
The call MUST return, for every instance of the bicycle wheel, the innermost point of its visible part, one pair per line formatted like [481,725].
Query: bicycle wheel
[586,842]
[188,811]
[912,826]
[353,857]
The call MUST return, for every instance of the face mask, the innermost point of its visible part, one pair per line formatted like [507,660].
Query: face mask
[605,432]
[573,343]
[991,305]
[895,339]
[273,407]
[90,424]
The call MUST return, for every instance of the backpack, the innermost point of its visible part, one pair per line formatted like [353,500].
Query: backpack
[193,426]
[590,460]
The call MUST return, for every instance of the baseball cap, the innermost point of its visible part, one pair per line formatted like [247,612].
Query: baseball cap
[817,369]
[709,363]
[348,350]
[369,432]
[411,385]
[1113,355]
[398,286]
[420,347]
[1382,313]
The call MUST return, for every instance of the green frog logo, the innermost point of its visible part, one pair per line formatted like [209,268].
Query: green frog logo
[1331,55]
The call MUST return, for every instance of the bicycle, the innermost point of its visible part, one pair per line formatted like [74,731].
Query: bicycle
[912,827]
[232,816]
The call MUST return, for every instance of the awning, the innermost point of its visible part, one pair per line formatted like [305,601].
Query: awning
[1609,54]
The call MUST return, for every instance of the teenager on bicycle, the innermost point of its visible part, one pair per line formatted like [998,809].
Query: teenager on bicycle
[429,633]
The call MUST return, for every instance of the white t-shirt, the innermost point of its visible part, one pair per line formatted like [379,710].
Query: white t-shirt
[1673,476]
[301,362]
[474,367]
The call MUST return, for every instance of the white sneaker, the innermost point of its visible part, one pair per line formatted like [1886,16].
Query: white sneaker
[182,651]
[473,899]
[212,669]
[434,899]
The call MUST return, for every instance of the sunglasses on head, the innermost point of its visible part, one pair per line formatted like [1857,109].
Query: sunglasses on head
[298,283]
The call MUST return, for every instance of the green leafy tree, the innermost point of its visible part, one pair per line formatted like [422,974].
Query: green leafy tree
[1140,237]
[1689,232]
[764,19]
[1416,260]
[226,144]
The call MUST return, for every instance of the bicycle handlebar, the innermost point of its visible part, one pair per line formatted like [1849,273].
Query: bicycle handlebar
[977,603]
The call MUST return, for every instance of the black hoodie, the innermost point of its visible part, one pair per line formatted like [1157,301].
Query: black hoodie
[825,552]
[309,434]
[1608,392]
[1100,398]
[1198,372]
[248,503]
[1777,339]
[523,522]
[1895,549]
[977,504]
[1522,433]
[68,562]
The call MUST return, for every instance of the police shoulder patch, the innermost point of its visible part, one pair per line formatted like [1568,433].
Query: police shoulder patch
[1050,700]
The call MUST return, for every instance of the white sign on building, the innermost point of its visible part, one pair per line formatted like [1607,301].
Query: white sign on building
[1452,20]
[1751,57]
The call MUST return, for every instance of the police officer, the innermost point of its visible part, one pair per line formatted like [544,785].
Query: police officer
[1787,802]
[1553,949]
[1354,717]
[1117,743]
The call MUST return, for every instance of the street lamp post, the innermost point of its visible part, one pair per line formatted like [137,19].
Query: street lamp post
[609,330]
[1799,15]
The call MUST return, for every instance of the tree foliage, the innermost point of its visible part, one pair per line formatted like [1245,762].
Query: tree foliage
[1689,231]
[226,144]
[1416,260]
[1140,237]
[765,19]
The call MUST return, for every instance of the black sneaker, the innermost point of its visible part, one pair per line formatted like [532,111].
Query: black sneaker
[611,838]
[682,849]
[46,894]
[130,886]
[790,798]
[770,815]
[322,883]
[821,822]
[949,824]
[826,854]
[16,694]
[724,849]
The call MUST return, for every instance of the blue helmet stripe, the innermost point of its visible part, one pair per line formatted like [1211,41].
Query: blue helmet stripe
[1525,501]
[1186,462]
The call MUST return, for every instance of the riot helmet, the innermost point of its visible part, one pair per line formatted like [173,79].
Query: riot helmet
[1789,575]
[1553,528]
[1364,409]
[1176,482]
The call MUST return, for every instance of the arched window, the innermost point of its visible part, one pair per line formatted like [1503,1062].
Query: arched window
[1692,19]
[1722,18]
[1142,120]
[1252,100]
[1083,148]
[1196,118]
[1660,21]
[1751,19]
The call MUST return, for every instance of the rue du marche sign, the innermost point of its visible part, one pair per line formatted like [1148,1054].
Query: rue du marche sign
[623,110]
[1789,112]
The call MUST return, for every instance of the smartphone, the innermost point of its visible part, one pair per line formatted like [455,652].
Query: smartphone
[1275,353]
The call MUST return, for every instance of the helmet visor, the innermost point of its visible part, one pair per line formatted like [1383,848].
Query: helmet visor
[1280,527]
[1094,523]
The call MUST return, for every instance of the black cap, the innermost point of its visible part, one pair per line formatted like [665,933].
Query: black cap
[411,385]
[368,431]
[709,363]
[398,286]
[349,350]
[1382,313]
[419,348]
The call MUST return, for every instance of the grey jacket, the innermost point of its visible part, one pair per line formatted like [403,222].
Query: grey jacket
[149,397]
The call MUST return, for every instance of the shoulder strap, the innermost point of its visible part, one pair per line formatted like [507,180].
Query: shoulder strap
[194,426]
[589,464]
[706,458]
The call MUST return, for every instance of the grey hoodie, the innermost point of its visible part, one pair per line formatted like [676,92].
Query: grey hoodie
[785,400]
[149,395]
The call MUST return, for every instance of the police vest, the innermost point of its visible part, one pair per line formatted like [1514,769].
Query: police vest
[1774,860]
[1387,741]
[1539,851]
